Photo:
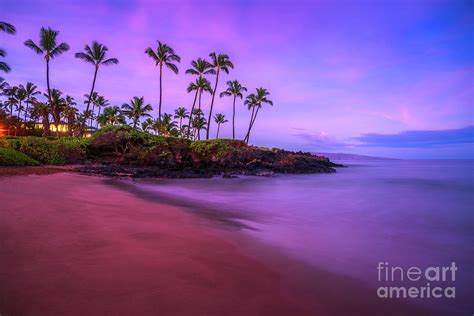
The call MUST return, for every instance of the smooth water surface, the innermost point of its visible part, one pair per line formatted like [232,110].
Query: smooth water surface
[406,213]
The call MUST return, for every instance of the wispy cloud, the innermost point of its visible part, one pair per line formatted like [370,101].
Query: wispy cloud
[420,139]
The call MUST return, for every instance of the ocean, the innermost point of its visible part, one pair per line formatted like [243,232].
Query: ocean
[359,222]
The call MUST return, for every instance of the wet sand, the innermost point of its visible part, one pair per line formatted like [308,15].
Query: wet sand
[73,245]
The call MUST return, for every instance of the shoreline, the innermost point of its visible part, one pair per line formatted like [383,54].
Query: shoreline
[118,254]
[159,258]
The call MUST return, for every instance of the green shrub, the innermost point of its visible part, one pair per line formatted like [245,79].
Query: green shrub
[219,148]
[50,150]
[11,157]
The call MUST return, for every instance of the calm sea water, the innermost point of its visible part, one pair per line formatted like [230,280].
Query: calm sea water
[406,213]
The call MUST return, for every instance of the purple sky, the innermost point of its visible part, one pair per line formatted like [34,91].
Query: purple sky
[362,77]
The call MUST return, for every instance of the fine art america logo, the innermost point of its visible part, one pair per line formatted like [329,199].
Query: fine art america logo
[435,281]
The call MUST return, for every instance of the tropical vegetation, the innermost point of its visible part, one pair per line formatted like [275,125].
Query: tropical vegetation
[28,110]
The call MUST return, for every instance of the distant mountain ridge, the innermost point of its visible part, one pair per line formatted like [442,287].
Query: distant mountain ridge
[344,156]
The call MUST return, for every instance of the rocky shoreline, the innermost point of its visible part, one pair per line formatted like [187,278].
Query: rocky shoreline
[122,151]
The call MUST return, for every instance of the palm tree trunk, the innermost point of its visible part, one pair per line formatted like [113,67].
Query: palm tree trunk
[218,128]
[251,125]
[83,125]
[192,109]
[161,92]
[97,121]
[26,110]
[47,80]
[200,95]
[18,110]
[233,119]
[212,104]
[92,114]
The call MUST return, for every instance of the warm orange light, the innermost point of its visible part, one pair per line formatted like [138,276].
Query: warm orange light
[52,127]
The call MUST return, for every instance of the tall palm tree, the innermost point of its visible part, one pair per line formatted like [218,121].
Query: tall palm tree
[235,89]
[219,62]
[164,55]
[199,67]
[181,113]
[10,29]
[219,118]
[136,109]
[31,91]
[255,102]
[95,55]
[111,115]
[201,84]
[48,47]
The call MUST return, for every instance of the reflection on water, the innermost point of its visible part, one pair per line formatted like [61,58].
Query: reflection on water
[407,213]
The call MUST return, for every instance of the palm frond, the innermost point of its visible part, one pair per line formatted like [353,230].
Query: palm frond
[7,27]
[4,67]
[110,61]
[172,66]
[30,44]
[58,50]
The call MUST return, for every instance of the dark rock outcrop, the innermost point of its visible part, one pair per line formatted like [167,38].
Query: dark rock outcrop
[127,152]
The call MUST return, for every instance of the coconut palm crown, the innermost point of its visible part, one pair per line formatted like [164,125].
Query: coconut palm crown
[164,55]
[49,47]
[234,88]
[219,62]
[97,56]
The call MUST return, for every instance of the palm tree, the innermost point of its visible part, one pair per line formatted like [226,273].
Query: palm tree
[101,102]
[93,99]
[255,101]
[219,62]
[20,96]
[199,123]
[148,125]
[136,109]
[168,126]
[41,109]
[95,55]
[31,91]
[58,105]
[70,113]
[10,93]
[111,115]
[181,113]
[235,89]
[10,29]
[201,84]
[219,118]
[199,68]
[164,55]
[49,48]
